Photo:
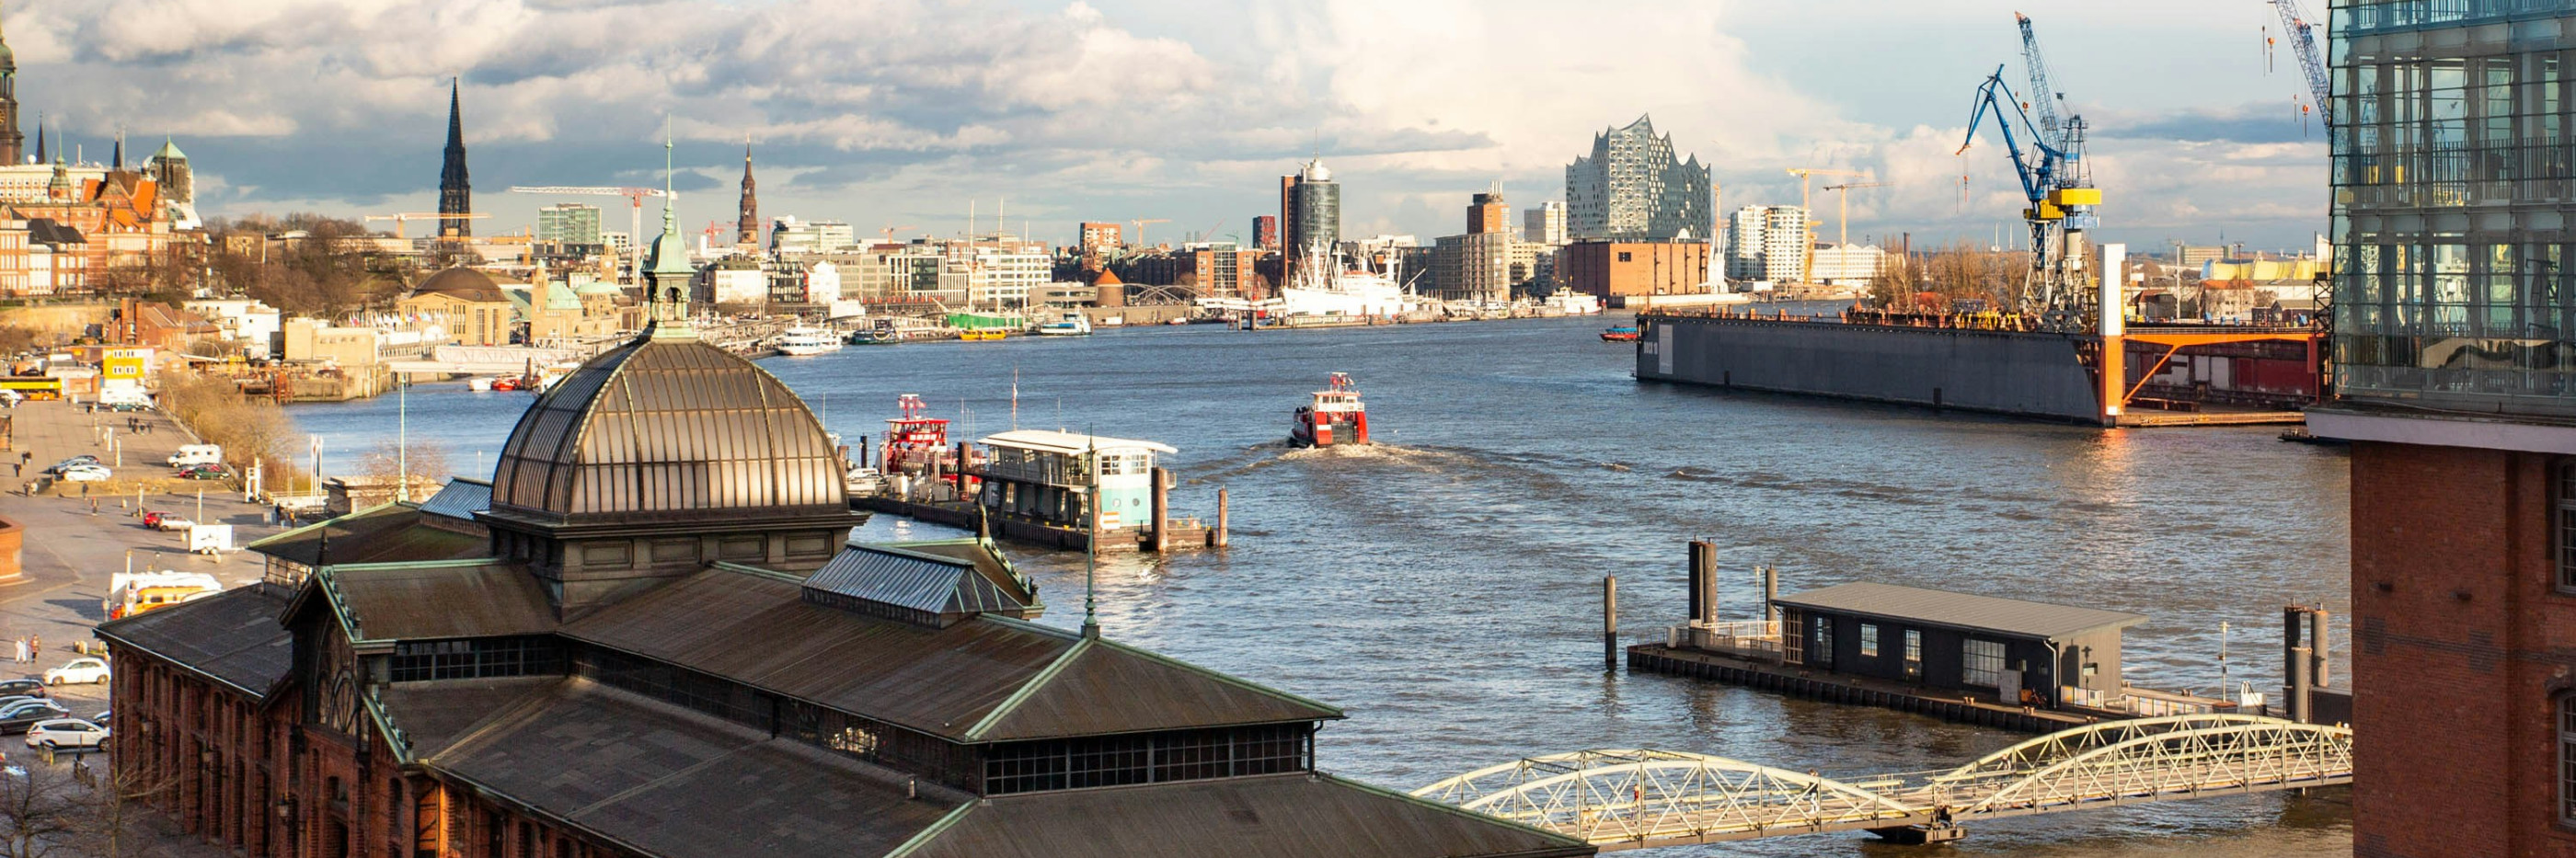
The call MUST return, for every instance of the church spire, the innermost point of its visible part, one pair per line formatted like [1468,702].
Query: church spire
[455,193]
[119,161]
[748,235]
[41,157]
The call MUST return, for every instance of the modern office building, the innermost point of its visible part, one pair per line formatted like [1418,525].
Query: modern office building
[1265,232]
[1544,224]
[1631,188]
[1477,266]
[1099,237]
[1768,243]
[569,223]
[1310,212]
[2454,372]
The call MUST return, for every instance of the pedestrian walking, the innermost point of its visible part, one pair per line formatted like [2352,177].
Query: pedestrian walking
[22,650]
[35,647]
[17,469]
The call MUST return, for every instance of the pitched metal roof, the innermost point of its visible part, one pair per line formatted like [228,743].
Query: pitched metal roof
[1278,816]
[1068,443]
[943,589]
[461,498]
[660,780]
[430,601]
[232,637]
[392,533]
[1961,610]
[983,679]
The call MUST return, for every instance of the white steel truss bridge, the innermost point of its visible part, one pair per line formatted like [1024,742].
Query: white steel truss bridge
[1632,798]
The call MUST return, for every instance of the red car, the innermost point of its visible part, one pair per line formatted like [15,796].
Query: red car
[153,519]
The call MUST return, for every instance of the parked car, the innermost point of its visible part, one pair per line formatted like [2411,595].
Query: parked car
[66,733]
[20,716]
[27,687]
[59,467]
[87,474]
[152,518]
[88,670]
[204,472]
[15,699]
[172,522]
[101,717]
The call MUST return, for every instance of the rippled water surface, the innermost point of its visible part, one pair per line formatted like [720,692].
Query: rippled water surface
[1445,588]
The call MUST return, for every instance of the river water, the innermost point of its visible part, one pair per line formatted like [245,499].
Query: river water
[1444,587]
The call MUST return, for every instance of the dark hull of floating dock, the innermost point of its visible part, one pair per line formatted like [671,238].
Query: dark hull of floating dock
[1831,688]
[1015,529]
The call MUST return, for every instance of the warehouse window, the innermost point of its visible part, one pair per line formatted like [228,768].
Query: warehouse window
[1869,640]
[1982,664]
[2567,758]
[1913,654]
[2565,510]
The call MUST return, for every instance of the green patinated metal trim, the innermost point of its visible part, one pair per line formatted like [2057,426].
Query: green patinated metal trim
[917,841]
[1028,689]
[282,535]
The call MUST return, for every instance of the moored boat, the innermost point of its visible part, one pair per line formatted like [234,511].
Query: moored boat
[802,341]
[1335,416]
[1072,325]
[480,383]
[981,334]
[1621,334]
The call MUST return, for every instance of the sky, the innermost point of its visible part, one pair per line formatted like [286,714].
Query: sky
[905,114]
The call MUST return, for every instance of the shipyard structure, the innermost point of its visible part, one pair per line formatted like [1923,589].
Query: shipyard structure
[2109,373]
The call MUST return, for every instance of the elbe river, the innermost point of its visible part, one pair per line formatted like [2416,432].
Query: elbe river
[1444,587]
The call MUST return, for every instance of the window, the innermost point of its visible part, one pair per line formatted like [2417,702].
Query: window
[1982,664]
[2565,510]
[1820,650]
[1913,654]
[1869,640]
[2567,758]
[1624,257]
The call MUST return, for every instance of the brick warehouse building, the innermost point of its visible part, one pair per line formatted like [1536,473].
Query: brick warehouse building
[646,637]
[2454,349]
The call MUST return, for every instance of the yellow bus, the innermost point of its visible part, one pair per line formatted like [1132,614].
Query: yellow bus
[33,386]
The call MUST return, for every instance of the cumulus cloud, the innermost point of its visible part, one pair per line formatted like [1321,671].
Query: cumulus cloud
[903,110]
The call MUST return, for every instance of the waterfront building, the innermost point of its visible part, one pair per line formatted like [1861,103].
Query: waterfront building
[733,283]
[1045,477]
[2019,652]
[1847,264]
[1265,232]
[2450,337]
[246,323]
[1620,272]
[1544,224]
[461,305]
[56,259]
[569,224]
[1769,243]
[1631,188]
[455,192]
[672,651]
[989,275]
[1474,267]
[1101,238]
[1310,214]
[791,237]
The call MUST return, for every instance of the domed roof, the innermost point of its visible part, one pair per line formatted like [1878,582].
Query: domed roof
[669,429]
[462,282]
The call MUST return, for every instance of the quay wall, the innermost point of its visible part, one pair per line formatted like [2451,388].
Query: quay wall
[2024,374]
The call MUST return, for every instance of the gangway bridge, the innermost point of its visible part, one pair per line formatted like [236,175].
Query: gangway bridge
[1634,798]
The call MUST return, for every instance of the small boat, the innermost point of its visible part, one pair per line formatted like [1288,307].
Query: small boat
[1621,334]
[481,383]
[1072,325]
[981,334]
[1178,320]
[802,341]
[1334,417]
[507,382]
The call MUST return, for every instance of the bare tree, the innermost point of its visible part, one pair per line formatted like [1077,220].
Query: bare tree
[49,809]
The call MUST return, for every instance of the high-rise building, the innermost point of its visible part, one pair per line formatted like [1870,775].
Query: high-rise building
[568,223]
[747,234]
[1310,212]
[1265,232]
[1100,237]
[1544,224]
[1632,188]
[2451,331]
[1768,243]
[1477,266]
[455,194]
[1488,213]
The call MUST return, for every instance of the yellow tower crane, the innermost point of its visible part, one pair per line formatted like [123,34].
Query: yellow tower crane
[1842,206]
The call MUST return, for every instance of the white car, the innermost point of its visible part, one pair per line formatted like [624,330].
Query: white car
[86,474]
[172,522]
[89,670]
[66,733]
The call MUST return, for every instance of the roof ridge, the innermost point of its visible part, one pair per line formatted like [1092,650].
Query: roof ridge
[481,729]
[1222,676]
[1451,809]
[932,831]
[1030,688]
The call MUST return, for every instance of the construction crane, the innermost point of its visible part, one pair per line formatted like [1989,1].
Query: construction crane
[1805,176]
[634,218]
[400,219]
[889,230]
[2295,27]
[1140,228]
[1843,205]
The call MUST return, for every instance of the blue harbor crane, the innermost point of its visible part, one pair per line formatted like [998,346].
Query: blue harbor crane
[2053,178]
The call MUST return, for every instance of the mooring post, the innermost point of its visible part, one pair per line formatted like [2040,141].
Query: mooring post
[1698,587]
[1704,553]
[1162,509]
[1610,623]
[1223,518]
[2320,646]
[2302,703]
[1770,593]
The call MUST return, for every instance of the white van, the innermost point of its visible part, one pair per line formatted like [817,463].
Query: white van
[197,454]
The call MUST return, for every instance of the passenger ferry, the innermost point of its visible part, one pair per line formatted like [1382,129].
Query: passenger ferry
[981,334]
[802,341]
[1072,325]
[1335,417]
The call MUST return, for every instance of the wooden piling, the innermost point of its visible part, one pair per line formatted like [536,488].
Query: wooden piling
[1610,623]
[1223,518]
[1162,509]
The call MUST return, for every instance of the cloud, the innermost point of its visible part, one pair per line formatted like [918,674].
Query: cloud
[905,110]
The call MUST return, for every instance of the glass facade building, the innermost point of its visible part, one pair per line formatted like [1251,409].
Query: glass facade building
[2451,185]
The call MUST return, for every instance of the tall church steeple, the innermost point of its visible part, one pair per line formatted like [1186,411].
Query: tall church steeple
[455,194]
[12,143]
[749,229]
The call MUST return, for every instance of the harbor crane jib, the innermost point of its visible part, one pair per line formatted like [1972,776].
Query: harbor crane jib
[2053,180]
[2301,32]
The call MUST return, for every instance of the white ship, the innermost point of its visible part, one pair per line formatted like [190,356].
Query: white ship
[1072,325]
[801,341]
[1326,286]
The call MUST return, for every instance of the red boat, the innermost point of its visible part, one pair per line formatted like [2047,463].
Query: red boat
[1619,335]
[1336,416]
[507,382]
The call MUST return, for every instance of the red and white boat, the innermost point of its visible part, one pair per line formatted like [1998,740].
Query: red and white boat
[1335,417]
